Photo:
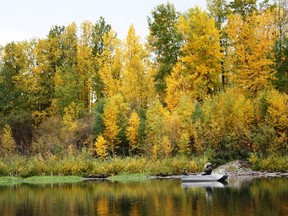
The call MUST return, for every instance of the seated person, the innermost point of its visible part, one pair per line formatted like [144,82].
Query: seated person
[208,169]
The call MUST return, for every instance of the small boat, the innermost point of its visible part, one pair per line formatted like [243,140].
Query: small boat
[204,178]
[215,184]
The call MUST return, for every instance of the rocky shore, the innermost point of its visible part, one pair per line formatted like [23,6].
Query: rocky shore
[242,168]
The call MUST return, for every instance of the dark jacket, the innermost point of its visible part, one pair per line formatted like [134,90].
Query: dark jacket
[208,170]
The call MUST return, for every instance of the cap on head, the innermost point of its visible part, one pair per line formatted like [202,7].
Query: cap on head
[208,164]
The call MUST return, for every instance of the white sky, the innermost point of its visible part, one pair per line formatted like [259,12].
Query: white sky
[27,19]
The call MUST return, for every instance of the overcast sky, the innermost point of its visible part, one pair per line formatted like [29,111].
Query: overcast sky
[27,19]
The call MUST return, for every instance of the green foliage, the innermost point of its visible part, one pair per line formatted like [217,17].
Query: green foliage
[281,46]
[98,111]
[165,41]
[271,135]
[273,163]
[281,52]
[67,89]
[262,138]
[51,179]
[228,119]
[22,128]
[13,64]
[225,157]
[155,129]
[243,7]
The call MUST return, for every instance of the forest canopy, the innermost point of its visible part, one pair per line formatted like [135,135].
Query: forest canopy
[214,79]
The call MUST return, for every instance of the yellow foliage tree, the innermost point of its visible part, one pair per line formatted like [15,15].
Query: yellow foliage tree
[8,146]
[114,114]
[85,63]
[197,72]
[137,82]
[132,130]
[167,147]
[70,117]
[185,111]
[278,119]
[252,41]
[180,122]
[110,64]
[228,120]
[156,128]
[184,148]
[178,85]
[101,147]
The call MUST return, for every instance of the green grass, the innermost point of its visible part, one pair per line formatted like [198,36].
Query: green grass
[124,178]
[40,180]
[52,179]
[10,180]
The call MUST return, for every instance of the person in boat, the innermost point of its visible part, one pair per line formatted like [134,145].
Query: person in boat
[208,169]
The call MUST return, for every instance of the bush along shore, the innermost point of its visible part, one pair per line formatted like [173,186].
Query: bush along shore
[71,168]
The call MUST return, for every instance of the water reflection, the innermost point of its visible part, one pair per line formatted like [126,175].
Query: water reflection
[166,197]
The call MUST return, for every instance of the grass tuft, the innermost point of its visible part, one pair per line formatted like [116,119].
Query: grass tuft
[124,178]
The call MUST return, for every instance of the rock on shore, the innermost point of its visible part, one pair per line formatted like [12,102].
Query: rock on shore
[242,168]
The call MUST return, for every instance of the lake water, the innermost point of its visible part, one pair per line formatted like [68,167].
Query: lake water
[265,196]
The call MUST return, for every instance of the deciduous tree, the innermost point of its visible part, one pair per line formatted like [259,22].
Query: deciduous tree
[101,29]
[114,119]
[110,64]
[197,72]
[136,80]
[251,50]
[133,130]
[281,45]
[165,41]
[101,147]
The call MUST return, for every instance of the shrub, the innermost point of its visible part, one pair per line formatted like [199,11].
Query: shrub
[8,144]
[273,162]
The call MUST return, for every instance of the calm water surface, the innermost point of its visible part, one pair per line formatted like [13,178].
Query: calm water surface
[244,196]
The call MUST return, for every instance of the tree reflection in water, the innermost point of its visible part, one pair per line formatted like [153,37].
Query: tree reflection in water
[157,197]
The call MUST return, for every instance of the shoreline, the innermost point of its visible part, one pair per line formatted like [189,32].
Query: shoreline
[124,178]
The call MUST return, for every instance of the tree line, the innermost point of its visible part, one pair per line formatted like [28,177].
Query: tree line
[212,80]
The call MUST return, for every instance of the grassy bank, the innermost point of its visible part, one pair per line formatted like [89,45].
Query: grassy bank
[124,178]
[90,167]
[71,168]
[40,180]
